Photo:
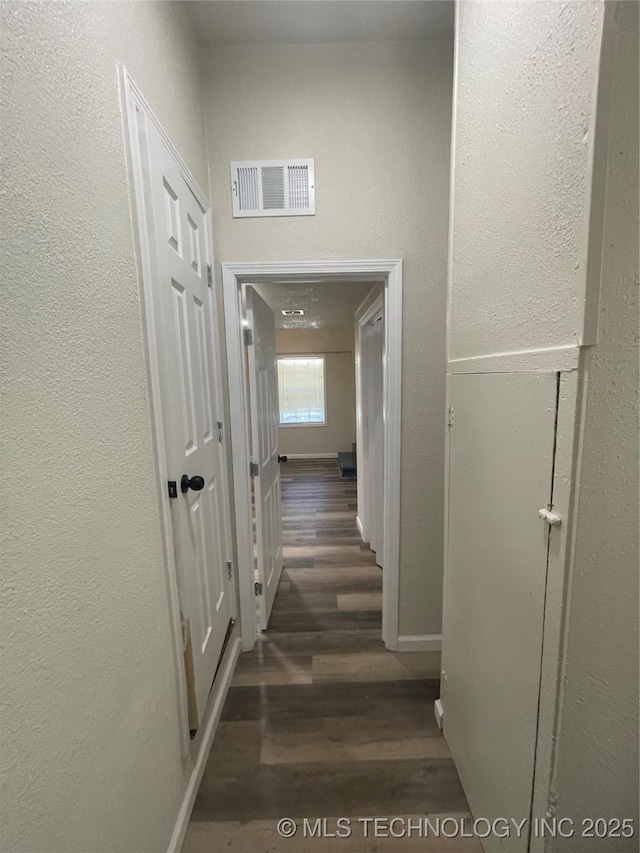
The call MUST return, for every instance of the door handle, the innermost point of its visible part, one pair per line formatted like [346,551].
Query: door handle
[282,458]
[196,483]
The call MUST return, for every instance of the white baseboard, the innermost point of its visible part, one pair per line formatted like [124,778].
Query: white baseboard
[439,713]
[310,455]
[219,695]
[420,642]
[361,530]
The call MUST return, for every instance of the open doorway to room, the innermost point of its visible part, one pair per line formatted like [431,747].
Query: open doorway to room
[315,387]
[300,357]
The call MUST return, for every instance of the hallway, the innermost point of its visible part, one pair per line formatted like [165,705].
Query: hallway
[321,720]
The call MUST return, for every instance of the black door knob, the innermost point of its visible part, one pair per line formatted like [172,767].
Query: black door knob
[195,483]
[282,458]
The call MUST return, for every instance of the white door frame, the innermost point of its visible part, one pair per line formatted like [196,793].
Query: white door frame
[137,114]
[372,305]
[234,277]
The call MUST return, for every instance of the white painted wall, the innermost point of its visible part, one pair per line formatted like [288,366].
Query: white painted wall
[339,433]
[525,113]
[91,747]
[376,118]
[525,274]
[596,769]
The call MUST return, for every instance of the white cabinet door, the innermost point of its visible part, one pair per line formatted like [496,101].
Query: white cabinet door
[501,446]
[263,382]
[191,403]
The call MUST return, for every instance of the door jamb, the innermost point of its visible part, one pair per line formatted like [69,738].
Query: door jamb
[234,276]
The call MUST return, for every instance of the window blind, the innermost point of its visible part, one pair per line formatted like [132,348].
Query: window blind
[301,390]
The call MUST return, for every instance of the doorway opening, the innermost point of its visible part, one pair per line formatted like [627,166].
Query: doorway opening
[282,405]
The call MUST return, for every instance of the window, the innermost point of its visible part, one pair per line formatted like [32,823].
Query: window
[302,390]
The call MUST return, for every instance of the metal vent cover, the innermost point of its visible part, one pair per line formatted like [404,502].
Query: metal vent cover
[273,188]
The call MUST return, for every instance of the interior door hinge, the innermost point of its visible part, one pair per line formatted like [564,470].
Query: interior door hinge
[209,275]
[450,417]
[229,569]
[254,469]
[258,588]
[220,431]
[247,337]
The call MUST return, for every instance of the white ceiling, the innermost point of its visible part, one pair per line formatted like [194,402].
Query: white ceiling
[234,22]
[330,305]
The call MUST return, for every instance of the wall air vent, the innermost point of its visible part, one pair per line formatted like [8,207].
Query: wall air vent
[273,188]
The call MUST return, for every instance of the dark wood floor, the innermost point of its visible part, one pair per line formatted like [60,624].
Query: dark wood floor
[321,720]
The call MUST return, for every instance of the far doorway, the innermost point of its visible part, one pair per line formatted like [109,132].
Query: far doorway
[312,356]
[314,360]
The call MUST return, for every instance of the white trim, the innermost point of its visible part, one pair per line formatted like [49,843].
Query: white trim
[392,394]
[295,456]
[218,695]
[361,529]
[234,275]
[546,360]
[420,642]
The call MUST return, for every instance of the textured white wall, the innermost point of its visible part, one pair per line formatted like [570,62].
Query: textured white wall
[340,383]
[597,745]
[527,243]
[523,131]
[376,118]
[91,748]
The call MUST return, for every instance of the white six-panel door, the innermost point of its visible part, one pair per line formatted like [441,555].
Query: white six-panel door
[263,383]
[191,408]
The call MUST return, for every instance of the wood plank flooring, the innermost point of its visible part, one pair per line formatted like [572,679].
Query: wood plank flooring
[321,720]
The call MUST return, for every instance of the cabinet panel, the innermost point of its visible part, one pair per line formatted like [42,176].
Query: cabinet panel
[501,446]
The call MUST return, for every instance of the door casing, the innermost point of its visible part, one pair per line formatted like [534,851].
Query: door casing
[235,276]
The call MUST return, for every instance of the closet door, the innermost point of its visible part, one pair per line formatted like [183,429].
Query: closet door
[501,446]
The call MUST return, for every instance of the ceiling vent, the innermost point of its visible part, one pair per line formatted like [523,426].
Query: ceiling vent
[292,312]
[273,188]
